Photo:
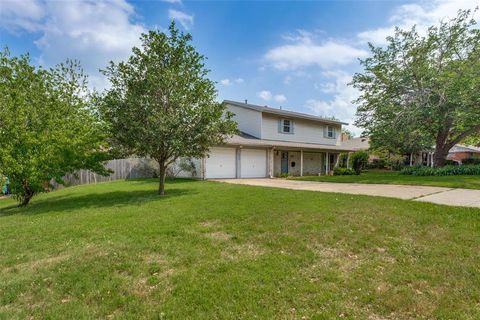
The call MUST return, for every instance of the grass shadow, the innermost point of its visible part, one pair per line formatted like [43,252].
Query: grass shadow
[69,202]
[169,181]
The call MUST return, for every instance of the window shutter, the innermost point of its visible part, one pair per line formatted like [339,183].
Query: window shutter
[292,126]
[334,133]
[325,131]
[279,125]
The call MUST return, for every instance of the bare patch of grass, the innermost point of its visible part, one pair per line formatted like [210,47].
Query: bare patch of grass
[243,251]
[36,264]
[219,235]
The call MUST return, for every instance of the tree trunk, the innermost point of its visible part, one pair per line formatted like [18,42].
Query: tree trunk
[440,156]
[162,171]
[26,196]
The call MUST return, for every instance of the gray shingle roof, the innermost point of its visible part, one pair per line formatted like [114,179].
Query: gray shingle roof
[360,143]
[463,148]
[281,112]
[244,139]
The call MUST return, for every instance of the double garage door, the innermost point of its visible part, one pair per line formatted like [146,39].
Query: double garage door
[224,163]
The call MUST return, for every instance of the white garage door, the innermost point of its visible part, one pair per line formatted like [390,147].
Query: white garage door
[253,163]
[221,163]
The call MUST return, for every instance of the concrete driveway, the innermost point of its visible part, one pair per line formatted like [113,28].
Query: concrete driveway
[439,195]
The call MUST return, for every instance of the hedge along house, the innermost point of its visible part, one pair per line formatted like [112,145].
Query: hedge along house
[274,142]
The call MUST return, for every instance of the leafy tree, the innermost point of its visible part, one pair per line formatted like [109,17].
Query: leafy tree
[472,140]
[47,125]
[359,161]
[161,103]
[347,133]
[421,91]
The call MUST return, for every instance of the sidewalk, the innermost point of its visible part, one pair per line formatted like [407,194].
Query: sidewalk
[438,195]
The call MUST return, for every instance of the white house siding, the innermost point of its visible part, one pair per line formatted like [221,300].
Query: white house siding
[312,163]
[305,131]
[248,121]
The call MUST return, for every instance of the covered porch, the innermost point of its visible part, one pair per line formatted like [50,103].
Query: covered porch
[290,158]
[300,162]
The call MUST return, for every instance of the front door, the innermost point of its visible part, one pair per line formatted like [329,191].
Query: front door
[331,162]
[284,168]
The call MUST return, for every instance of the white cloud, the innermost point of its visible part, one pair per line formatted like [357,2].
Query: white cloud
[280,98]
[305,52]
[265,95]
[22,15]
[172,1]
[185,19]
[225,82]
[340,104]
[422,15]
[228,82]
[93,32]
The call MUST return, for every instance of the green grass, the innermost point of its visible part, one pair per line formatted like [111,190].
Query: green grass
[394,177]
[218,251]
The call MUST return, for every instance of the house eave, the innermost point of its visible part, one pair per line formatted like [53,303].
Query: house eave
[237,140]
[283,113]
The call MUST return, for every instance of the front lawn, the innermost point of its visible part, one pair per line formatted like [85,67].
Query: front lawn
[219,251]
[394,177]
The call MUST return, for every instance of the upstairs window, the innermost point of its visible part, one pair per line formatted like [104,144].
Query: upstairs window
[286,126]
[330,132]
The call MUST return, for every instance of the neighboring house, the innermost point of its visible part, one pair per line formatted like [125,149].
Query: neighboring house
[357,144]
[458,153]
[272,142]
[461,153]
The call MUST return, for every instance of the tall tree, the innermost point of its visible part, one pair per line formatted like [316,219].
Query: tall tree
[161,103]
[47,125]
[472,140]
[424,89]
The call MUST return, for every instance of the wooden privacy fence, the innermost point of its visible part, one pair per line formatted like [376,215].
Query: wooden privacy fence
[130,168]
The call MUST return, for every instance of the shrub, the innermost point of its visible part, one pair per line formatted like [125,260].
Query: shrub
[471,161]
[451,163]
[396,162]
[442,171]
[343,160]
[339,171]
[359,161]
[378,164]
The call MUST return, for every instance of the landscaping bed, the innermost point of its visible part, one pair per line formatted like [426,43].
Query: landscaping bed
[395,177]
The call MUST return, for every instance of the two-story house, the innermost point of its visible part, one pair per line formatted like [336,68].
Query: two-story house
[272,142]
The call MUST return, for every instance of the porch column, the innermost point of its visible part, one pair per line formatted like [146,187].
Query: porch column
[327,164]
[337,159]
[301,162]
[270,162]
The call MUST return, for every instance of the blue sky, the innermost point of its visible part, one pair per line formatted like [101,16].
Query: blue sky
[298,55]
